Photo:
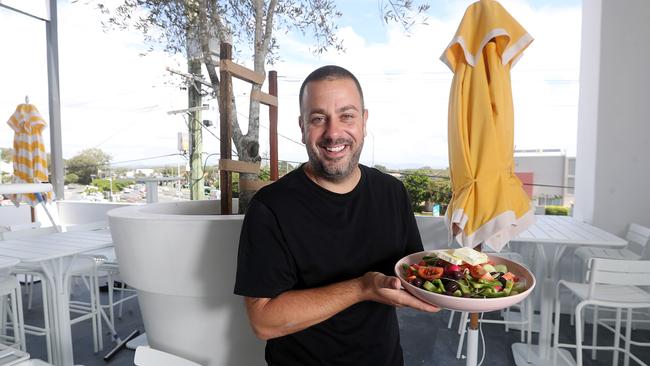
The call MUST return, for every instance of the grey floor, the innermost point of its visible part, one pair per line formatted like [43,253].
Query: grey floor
[425,339]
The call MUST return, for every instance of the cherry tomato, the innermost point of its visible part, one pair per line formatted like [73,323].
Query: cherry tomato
[430,273]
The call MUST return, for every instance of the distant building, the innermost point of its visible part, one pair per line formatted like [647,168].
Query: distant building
[143,172]
[548,176]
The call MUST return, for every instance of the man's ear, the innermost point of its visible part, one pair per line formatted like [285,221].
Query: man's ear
[302,129]
[365,122]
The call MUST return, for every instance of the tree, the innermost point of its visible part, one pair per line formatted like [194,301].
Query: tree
[417,185]
[249,26]
[87,163]
[440,193]
[71,178]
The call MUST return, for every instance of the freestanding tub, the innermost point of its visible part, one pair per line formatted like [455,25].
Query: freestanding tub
[181,258]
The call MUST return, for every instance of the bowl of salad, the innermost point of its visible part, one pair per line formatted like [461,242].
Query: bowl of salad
[464,279]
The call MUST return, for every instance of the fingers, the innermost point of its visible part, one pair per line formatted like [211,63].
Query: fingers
[415,303]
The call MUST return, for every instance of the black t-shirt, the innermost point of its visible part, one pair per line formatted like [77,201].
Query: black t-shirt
[297,235]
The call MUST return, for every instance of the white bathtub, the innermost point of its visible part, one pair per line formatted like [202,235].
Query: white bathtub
[181,257]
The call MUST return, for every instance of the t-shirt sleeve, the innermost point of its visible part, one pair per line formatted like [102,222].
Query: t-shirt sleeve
[414,241]
[265,268]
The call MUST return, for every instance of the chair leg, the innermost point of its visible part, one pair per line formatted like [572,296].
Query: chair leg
[617,337]
[98,309]
[556,330]
[628,337]
[3,312]
[451,318]
[594,333]
[461,325]
[463,322]
[111,305]
[122,287]
[29,285]
[578,335]
[46,319]
[21,319]
[529,340]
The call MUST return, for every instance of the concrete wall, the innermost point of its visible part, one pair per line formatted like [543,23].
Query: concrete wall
[613,155]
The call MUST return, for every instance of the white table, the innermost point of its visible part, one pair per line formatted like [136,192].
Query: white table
[551,236]
[55,254]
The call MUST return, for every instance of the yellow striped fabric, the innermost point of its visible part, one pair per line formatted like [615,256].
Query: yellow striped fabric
[30,159]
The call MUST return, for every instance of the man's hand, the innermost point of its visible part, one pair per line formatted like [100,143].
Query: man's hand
[388,290]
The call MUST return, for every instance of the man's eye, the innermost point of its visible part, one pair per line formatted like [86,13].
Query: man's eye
[317,119]
[348,116]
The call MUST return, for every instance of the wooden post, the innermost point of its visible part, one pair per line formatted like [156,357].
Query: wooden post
[473,317]
[225,114]
[273,125]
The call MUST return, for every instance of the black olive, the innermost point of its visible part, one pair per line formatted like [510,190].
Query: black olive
[451,286]
[417,282]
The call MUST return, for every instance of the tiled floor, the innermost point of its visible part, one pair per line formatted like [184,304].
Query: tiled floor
[425,340]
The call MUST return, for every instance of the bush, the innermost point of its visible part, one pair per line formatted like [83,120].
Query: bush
[70,178]
[104,185]
[556,210]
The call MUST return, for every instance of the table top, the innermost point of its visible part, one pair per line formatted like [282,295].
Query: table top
[567,230]
[45,247]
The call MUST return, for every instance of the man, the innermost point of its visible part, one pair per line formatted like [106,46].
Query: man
[318,247]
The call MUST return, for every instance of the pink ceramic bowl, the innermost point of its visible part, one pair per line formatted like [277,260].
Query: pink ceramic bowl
[465,303]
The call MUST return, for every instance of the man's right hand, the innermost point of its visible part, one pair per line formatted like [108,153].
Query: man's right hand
[388,290]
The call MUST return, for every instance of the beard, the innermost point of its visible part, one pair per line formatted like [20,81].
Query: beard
[334,170]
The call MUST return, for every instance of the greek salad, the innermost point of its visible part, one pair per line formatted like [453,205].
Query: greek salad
[461,275]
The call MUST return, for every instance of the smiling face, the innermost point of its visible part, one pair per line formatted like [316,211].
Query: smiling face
[333,124]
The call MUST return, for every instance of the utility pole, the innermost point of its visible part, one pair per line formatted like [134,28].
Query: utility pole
[196,136]
[194,101]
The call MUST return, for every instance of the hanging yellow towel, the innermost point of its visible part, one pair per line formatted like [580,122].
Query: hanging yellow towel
[30,159]
[488,205]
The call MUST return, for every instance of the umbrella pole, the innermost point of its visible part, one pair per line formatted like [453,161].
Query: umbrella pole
[472,340]
[472,335]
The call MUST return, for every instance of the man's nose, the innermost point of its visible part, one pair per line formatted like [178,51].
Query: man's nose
[333,129]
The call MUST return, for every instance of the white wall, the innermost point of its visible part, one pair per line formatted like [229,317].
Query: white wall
[547,170]
[613,155]
[82,212]
[12,215]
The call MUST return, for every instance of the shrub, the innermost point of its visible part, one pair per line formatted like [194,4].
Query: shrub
[556,210]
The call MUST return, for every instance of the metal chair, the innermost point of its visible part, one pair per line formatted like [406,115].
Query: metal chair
[637,248]
[612,283]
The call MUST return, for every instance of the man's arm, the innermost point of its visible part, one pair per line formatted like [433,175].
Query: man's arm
[295,310]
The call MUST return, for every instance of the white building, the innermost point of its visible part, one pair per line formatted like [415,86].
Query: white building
[548,176]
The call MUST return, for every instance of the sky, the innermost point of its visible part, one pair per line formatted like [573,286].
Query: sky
[115,99]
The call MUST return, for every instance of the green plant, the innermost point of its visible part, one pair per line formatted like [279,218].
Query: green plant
[417,185]
[104,185]
[556,210]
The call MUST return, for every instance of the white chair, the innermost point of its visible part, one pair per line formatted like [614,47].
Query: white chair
[637,248]
[523,320]
[29,272]
[103,266]
[613,283]
[147,356]
[10,288]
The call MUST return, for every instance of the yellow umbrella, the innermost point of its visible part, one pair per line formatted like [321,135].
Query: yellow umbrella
[488,204]
[30,160]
